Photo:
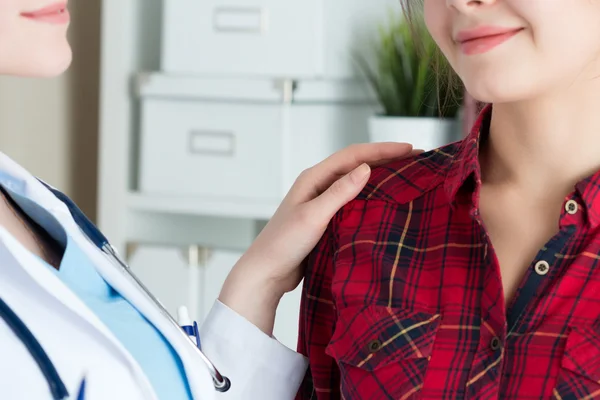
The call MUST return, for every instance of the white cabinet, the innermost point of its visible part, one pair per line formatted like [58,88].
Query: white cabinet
[254,37]
[269,38]
[237,141]
[210,148]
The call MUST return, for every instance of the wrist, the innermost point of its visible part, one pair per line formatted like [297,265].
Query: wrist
[252,296]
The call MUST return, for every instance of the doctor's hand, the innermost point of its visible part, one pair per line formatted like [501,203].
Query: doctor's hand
[273,266]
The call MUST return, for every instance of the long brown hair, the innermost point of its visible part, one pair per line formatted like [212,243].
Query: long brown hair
[413,12]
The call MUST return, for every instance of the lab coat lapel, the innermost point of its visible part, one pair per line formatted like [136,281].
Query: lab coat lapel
[200,381]
[36,270]
[13,174]
[49,282]
[44,278]
[18,260]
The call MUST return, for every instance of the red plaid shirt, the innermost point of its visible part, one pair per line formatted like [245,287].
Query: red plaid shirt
[403,296]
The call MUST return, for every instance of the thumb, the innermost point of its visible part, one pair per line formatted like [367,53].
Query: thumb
[340,193]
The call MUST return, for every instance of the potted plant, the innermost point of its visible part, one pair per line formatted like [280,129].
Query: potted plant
[407,75]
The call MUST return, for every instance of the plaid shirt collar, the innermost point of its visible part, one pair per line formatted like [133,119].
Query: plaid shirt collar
[465,162]
[464,174]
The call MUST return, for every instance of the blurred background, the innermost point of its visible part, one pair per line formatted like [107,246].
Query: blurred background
[182,123]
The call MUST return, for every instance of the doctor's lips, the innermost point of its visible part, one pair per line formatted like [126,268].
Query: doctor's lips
[56,13]
[483,39]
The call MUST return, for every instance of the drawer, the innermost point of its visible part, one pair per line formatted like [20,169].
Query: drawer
[202,148]
[274,38]
[241,37]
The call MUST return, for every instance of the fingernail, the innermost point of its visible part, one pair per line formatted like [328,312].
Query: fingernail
[360,173]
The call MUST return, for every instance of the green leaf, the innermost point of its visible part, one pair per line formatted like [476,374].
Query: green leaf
[403,74]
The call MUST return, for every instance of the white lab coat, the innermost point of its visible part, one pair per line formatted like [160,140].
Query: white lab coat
[80,345]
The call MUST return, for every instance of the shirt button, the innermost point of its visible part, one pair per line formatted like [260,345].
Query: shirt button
[571,207]
[374,346]
[495,343]
[542,268]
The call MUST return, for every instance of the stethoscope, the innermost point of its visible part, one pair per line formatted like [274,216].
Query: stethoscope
[57,386]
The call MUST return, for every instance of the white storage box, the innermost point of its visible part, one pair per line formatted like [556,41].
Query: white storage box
[269,38]
[197,140]
[210,148]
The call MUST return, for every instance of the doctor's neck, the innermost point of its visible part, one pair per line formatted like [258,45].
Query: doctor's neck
[549,142]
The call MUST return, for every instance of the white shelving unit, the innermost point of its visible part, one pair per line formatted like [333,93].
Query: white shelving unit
[318,116]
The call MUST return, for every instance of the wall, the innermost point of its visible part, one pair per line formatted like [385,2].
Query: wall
[50,125]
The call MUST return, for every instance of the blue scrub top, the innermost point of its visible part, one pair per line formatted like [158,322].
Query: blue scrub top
[147,345]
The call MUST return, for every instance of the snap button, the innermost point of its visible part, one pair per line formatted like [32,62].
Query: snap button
[495,343]
[542,268]
[571,207]
[374,346]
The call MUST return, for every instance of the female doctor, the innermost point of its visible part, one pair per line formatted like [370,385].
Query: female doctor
[74,324]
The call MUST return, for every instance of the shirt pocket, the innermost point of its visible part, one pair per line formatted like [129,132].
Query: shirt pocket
[382,352]
[579,376]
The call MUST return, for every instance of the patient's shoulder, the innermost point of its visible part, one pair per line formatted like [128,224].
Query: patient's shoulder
[402,181]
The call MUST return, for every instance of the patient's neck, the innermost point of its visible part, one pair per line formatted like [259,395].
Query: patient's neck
[544,146]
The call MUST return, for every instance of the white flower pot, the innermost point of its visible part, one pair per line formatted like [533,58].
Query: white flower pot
[423,133]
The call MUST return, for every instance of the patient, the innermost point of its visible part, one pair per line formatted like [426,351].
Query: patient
[472,271]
